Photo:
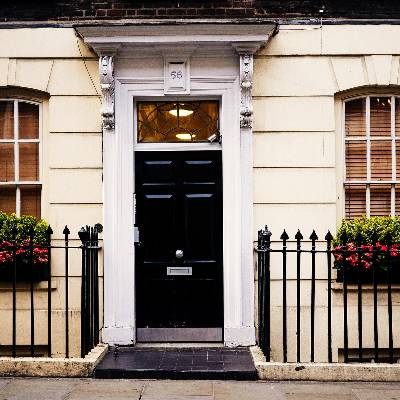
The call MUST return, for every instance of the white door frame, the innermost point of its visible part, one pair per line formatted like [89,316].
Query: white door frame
[234,93]
[119,324]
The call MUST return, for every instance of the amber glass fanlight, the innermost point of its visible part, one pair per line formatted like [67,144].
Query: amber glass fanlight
[193,121]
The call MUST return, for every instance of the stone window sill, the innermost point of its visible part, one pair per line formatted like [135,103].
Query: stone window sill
[353,287]
[25,286]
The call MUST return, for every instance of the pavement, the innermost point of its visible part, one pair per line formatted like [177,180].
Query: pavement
[119,389]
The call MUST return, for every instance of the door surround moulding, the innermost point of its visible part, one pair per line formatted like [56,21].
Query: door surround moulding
[235,92]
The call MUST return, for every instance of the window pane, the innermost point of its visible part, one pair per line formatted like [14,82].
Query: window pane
[355,201]
[356,160]
[192,121]
[397,116]
[7,199]
[28,115]
[380,200]
[398,160]
[28,161]
[397,205]
[30,200]
[380,116]
[6,162]
[355,117]
[6,120]
[381,160]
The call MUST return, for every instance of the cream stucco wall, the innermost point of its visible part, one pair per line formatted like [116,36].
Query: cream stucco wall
[298,80]
[297,151]
[57,62]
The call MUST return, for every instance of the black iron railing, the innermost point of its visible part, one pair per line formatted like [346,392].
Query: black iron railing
[31,263]
[362,266]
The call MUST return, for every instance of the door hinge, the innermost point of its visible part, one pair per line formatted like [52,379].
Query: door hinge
[136,235]
[134,207]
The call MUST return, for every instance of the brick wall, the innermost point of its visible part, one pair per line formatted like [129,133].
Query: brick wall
[121,9]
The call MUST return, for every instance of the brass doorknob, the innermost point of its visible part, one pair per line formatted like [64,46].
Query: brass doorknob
[179,253]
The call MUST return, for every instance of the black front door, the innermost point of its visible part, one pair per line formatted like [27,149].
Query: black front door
[179,291]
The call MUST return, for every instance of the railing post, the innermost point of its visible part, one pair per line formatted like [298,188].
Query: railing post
[95,244]
[83,236]
[260,277]
[375,286]
[49,233]
[345,322]
[313,239]
[390,256]
[298,238]
[329,239]
[66,233]
[267,313]
[31,272]
[14,293]
[284,238]
[90,289]
[359,240]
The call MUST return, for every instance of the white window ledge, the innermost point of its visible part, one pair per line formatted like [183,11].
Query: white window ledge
[25,286]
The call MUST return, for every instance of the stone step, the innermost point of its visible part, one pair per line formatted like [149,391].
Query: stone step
[177,363]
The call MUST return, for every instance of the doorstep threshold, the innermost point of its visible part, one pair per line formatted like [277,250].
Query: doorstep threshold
[179,345]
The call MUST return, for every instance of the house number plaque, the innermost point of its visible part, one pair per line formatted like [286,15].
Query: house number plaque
[176,77]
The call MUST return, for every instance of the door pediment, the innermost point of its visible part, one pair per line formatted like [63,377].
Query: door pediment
[148,38]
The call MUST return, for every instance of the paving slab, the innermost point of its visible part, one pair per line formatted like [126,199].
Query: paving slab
[116,385]
[175,397]
[4,382]
[178,388]
[247,391]
[319,396]
[315,387]
[122,389]
[37,389]
[380,394]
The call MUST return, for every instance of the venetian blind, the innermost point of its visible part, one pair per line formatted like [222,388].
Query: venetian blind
[19,145]
[370,149]
[355,157]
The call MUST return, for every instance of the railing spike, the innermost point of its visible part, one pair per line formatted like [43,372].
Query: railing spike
[313,236]
[298,235]
[284,235]
[388,238]
[359,239]
[66,231]
[267,232]
[328,236]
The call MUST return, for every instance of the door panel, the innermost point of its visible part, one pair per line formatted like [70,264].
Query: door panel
[200,211]
[160,213]
[179,207]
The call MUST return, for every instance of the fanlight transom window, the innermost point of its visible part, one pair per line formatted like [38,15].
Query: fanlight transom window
[372,156]
[191,121]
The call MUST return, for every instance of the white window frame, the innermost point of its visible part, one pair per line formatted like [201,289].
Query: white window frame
[368,139]
[16,141]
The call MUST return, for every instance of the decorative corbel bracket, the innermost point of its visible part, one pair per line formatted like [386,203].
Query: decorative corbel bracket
[107,84]
[246,51]
[246,90]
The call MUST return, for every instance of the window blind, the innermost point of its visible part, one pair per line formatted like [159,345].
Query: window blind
[372,156]
[20,189]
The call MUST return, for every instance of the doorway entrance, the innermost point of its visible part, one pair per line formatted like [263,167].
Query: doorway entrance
[179,287]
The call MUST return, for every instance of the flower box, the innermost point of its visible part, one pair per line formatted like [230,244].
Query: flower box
[355,276]
[365,247]
[25,241]
[25,272]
